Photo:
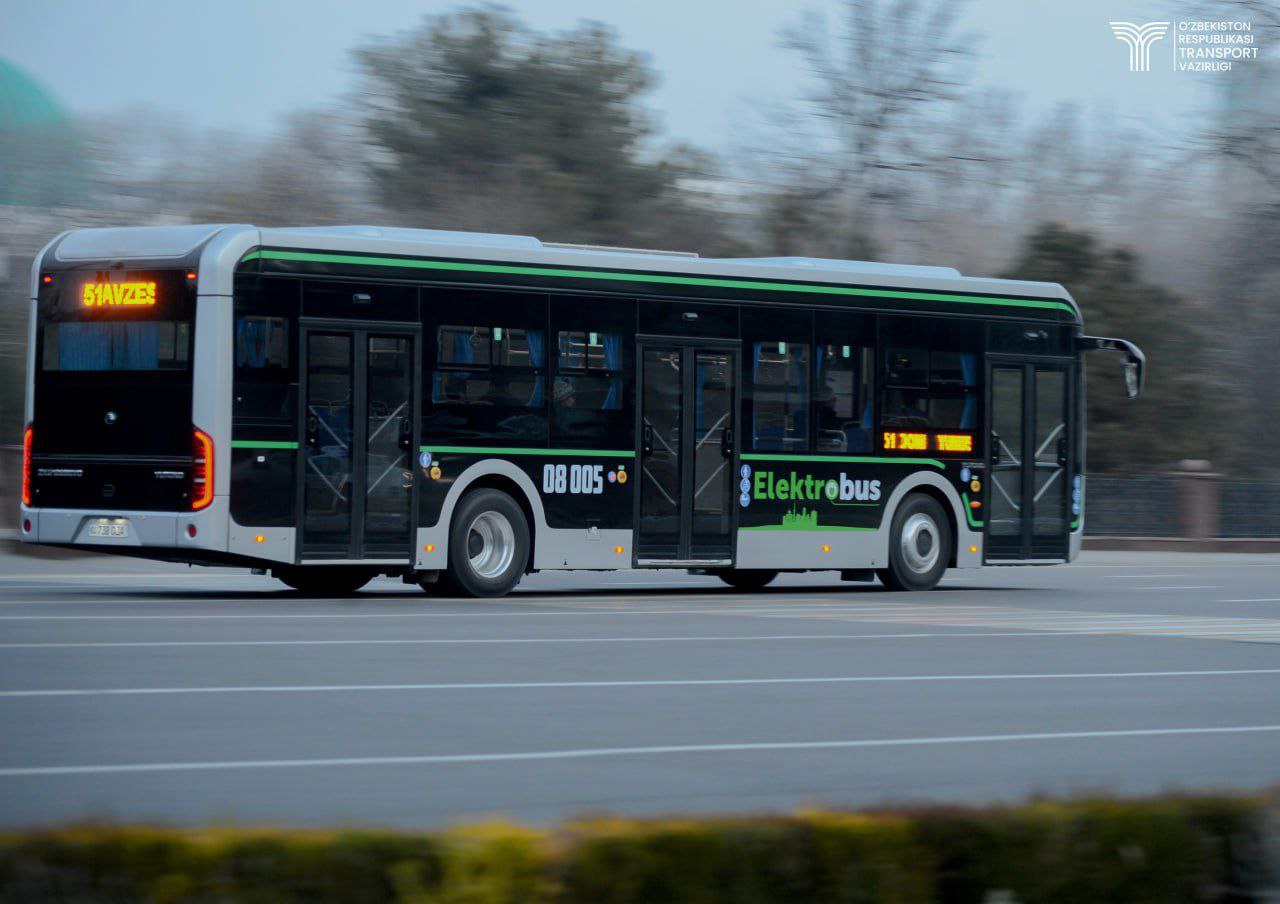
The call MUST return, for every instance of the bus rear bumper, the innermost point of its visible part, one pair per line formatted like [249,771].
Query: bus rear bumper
[104,529]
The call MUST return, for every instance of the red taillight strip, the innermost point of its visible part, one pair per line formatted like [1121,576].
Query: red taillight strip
[26,465]
[201,471]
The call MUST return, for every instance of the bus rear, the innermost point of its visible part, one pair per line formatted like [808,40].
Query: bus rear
[111,453]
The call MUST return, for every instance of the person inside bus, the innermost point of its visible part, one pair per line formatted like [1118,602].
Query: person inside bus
[908,411]
[564,395]
[830,431]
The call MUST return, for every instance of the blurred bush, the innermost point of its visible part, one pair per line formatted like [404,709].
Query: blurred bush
[1193,849]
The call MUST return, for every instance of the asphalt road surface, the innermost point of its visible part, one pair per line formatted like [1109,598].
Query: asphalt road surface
[137,691]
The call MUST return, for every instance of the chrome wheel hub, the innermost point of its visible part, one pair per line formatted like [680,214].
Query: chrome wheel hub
[919,543]
[491,544]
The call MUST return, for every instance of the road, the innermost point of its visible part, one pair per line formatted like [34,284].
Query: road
[139,691]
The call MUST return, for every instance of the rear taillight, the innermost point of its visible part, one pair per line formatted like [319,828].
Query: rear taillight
[201,470]
[26,466]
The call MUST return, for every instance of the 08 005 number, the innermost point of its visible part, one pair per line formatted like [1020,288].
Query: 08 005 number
[585,479]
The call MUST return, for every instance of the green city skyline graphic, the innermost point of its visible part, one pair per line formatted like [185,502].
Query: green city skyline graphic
[803,520]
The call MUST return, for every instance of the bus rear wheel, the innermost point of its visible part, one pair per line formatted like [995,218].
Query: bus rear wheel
[919,545]
[747,580]
[488,545]
[323,580]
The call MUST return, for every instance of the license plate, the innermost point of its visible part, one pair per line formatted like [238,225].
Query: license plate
[109,529]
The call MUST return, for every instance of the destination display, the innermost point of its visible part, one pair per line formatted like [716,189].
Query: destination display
[900,441]
[116,294]
[137,294]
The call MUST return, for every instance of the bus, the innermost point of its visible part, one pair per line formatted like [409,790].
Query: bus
[327,405]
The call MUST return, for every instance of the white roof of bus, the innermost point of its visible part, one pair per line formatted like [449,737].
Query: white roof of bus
[230,242]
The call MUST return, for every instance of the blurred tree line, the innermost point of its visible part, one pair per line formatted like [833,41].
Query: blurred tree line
[474,121]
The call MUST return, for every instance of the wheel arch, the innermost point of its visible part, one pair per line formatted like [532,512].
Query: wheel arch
[496,474]
[934,485]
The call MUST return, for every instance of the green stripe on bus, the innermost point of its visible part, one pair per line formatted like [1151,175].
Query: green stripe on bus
[262,444]
[625,276]
[817,529]
[491,450]
[852,459]
[968,511]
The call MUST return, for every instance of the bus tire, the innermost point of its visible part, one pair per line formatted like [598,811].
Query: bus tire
[323,580]
[747,580]
[488,545]
[919,545]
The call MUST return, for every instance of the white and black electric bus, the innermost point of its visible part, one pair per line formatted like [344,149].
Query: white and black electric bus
[460,409]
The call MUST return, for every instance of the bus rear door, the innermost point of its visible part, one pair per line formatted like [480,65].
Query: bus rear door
[360,443]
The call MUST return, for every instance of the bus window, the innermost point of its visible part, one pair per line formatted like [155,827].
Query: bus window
[489,380]
[587,396]
[461,345]
[116,345]
[780,396]
[842,398]
[930,375]
[262,342]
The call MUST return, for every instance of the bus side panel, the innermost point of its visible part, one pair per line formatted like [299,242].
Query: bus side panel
[839,516]
[602,538]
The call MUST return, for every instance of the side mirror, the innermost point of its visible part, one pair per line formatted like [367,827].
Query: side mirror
[1135,363]
[1132,378]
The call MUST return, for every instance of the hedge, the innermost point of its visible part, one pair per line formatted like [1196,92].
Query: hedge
[1166,849]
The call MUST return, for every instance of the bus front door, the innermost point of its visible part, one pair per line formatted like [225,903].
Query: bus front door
[356,491]
[688,456]
[1031,449]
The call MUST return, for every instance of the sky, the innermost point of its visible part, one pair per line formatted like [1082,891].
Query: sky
[242,64]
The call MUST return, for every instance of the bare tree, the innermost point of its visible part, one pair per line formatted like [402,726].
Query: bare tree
[886,67]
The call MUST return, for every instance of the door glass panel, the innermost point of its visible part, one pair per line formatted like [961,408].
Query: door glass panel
[661,412]
[1049,481]
[327,515]
[713,475]
[388,465]
[1005,501]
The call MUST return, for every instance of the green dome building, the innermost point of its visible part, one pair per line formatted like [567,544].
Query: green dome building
[42,154]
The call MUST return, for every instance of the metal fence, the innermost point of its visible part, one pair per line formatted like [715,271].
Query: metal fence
[1131,507]
[1250,509]
[10,485]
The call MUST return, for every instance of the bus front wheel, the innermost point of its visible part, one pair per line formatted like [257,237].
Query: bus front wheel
[919,545]
[323,580]
[488,545]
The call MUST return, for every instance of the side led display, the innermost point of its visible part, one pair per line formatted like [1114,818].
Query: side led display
[906,442]
[953,442]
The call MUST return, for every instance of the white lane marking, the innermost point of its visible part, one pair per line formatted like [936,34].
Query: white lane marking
[1181,587]
[1148,576]
[600,752]
[65,645]
[1266,599]
[656,682]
